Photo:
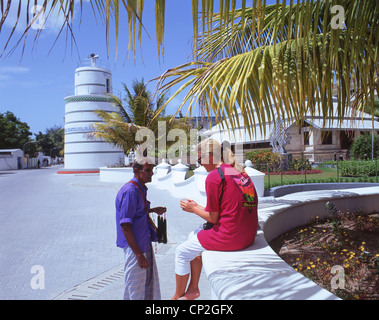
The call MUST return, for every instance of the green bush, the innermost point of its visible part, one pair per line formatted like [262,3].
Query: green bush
[357,168]
[299,164]
[362,146]
[260,159]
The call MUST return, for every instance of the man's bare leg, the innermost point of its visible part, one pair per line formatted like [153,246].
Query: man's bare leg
[181,285]
[193,291]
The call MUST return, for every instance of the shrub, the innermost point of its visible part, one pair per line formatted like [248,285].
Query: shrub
[362,146]
[357,168]
[300,164]
[260,159]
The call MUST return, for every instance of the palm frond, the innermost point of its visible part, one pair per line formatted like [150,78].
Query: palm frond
[288,53]
[280,60]
[115,130]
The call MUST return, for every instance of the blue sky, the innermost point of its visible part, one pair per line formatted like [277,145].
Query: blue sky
[34,87]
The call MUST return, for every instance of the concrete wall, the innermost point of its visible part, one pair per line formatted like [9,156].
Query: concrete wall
[8,163]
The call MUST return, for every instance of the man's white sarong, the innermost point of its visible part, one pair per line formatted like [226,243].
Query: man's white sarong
[141,284]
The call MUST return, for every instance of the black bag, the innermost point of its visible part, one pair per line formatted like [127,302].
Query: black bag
[208,225]
[162,229]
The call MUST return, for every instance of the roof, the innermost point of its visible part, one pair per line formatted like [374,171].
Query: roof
[346,124]
[223,132]
[10,150]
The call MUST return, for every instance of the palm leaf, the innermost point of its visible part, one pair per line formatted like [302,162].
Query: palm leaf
[290,54]
[115,130]
[280,60]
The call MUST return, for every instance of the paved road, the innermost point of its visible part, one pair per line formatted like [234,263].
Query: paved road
[66,225]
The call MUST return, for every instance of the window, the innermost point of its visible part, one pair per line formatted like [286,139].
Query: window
[108,85]
[327,137]
[306,138]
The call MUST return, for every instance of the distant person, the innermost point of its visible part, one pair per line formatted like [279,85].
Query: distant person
[230,212]
[135,232]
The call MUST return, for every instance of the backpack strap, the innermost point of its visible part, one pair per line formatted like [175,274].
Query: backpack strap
[144,202]
[221,173]
[209,225]
[222,176]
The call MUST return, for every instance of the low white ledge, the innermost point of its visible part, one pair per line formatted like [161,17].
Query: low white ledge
[116,174]
[257,272]
[175,179]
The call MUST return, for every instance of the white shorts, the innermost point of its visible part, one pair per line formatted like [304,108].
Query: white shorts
[186,252]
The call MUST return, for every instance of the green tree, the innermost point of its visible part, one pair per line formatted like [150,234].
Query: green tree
[362,146]
[51,142]
[120,127]
[138,111]
[13,132]
[57,135]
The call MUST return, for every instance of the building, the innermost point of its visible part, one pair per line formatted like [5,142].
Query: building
[83,154]
[317,140]
[11,159]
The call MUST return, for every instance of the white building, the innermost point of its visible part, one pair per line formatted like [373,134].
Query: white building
[11,159]
[316,140]
[83,154]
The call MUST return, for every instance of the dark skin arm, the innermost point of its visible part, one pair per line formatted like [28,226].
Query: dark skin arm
[129,236]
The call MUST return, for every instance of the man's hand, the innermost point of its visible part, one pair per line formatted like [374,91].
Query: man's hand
[142,261]
[129,236]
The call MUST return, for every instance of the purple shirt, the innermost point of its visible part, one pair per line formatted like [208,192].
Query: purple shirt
[130,208]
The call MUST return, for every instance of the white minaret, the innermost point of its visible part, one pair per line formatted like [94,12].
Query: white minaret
[82,154]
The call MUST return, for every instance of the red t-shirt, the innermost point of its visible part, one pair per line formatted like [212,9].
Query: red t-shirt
[237,225]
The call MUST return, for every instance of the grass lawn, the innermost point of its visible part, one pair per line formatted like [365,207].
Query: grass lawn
[327,175]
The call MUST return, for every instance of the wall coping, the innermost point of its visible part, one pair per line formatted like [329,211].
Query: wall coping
[257,272]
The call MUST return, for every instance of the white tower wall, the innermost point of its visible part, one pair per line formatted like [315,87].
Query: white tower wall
[81,152]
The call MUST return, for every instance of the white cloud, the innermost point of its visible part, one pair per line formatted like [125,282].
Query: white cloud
[4,78]
[13,70]
[19,76]
[9,74]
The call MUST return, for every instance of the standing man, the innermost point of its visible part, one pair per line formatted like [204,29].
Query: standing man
[135,232]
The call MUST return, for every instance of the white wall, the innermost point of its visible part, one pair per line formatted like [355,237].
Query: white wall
[10,162]
[174,179]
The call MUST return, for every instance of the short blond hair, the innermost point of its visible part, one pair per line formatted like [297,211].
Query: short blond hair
[220,152]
